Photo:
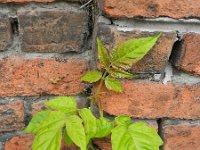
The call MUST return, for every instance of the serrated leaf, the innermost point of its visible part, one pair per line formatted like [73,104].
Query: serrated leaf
[120,139]
[113,84]
[67,139]
[49,133]
[92,76]
[52,120]
[131,51]
[104,127]
[63,103]
[36,121]
[48,139]
[136,136]
[117,73]
[122,120]
[89,123]
[75,130]
[103,55]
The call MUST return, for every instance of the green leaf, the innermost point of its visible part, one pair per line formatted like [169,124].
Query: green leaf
[131,51]
[52,120]
[76,132]
[49,133]
[48,139]
[103,55]
[36,121]
[63,103]
[123,120]
[89,121]
[113,84]
[67,139]
[117,73]
[120,139]
[92,76]
[104,127]
[137,136]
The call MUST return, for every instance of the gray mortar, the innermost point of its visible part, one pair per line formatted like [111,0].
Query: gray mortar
[159,24]
[177,121]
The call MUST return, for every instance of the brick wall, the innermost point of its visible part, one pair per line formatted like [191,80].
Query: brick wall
[47,45]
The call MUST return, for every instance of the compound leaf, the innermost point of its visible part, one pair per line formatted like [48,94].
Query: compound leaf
[49,133]
[131,51]
[103,55]
[89,121]
[92,76]
[63,103]
[67,139]
[75,130]
[117,73]
[113,84]
[136,136]
[36,121]
[122,120]
[104,127]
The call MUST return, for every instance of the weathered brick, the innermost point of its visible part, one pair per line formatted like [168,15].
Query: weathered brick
[154,61]
[24,142]
[61,29]
[22,1]
[146,99]
[40,76]
[11,115]
[148,8]
[41,1]
[189,59]
[5,32]
[183,135]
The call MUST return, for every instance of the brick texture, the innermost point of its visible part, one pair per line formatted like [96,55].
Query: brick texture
[154,61]
[189,59]
[24,142]
[53,30]
[22,1]
[145,99]
[148,8]
[5,32]
[26,77]
[181,136]
[11,115]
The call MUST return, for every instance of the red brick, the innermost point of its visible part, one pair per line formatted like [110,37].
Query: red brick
[154,61]
[103,143]
[11,115]
[182,136]
[39,76]
[148,8]
[146,99]
[189,59]
[24,142]
[22,1]
[5,32]
[61,29]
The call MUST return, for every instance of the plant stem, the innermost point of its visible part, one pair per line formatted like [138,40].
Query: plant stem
[91,146]
[96,94]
